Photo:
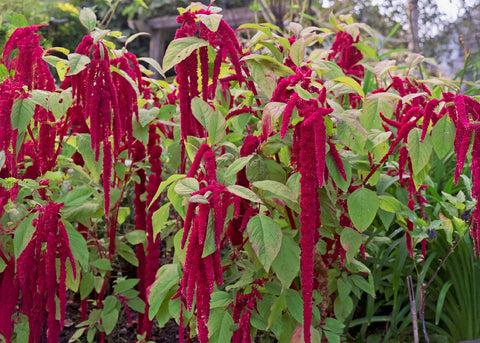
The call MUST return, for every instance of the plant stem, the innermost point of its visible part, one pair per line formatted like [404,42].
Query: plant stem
[413,308]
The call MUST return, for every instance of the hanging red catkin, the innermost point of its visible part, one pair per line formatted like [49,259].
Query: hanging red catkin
[30,68]
[287,114]
[127,105]
[139,155]
[309,219]
[242,311]
[242,208]
[9,292]
[77,81]
[201,272]
[152,256]
[101,104]
[33,72]
[37,274]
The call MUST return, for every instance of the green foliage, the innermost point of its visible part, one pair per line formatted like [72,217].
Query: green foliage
[186,192]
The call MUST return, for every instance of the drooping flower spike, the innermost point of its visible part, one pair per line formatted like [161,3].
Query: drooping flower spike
[201,272]
[37,274]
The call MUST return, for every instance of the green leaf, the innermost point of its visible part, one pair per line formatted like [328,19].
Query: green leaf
[78,245]
[373,106]
[443,136]
[422,174]
[140,132]
[342,307]
[278,307]
[23,234]
[202,111]
[362,207]
[59,103]
[216,128]
[159,219]
[277,188]
[123,285]
[334,325]
[87,284]
[244,193]
[210,246]
[136,304]
[419,152]
[331,69]
[109,320]
[180,49]
[351,83]
[265,236]
[211,21]
[17,20]
[123,213]
[146,116]
[136,237]
[364,285]
[41,98]
[152,63]
[335,173]
[76,197]
[110,303]
[167,277]
[351,241]
[263,168]
[287,263]
[88,18]
[220,326]
[213,122]
[91,334]
[187,186]
[21,329]
[166,112]
[77,62]
[179,253]
[332,337]
[344,288]
[77,334]
[220,299]
[352,134]
[128,254]
[133,37]
[262,74]
[295,304]
[83,145]
[236,166]
[102,264]
[270,63]
[389,204]
[297,51]
[165,184]
[22,112]
[441,300]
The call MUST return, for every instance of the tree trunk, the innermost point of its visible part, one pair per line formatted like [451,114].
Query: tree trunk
[413,14]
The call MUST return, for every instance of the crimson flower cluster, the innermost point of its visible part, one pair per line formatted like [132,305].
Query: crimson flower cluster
[38,279]
[202,267]
[31,72]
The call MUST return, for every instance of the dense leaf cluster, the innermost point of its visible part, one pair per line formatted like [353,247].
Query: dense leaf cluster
[278,170]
